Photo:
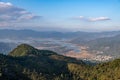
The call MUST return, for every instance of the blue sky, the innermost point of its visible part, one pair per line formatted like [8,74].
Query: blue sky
[73,15]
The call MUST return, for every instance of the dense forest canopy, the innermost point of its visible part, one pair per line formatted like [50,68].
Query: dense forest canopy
[27,63]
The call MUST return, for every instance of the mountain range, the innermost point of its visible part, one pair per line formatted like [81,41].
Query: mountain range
[23,34]
[99,46]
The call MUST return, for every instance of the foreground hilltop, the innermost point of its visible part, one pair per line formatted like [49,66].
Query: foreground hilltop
[28,63]
[27,50]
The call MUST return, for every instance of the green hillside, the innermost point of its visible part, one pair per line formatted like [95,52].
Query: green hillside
[104,71]
[27,50]
[27,63]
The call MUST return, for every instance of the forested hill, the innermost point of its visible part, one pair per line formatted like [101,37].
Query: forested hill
[27,63]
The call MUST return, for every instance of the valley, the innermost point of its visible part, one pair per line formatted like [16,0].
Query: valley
[96,47]
[59,39]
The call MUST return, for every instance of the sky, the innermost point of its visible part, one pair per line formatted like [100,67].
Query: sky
[60,15]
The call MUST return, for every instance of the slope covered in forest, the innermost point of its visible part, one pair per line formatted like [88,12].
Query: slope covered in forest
[27,63]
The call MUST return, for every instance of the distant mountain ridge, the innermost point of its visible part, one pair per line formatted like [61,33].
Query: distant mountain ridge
[20,34]
[107,45]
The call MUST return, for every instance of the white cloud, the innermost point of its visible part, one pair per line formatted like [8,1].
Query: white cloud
[92,19]
[9,12]
[11,15]
[78,17]
[81,17]
[99,19]
[2,4]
